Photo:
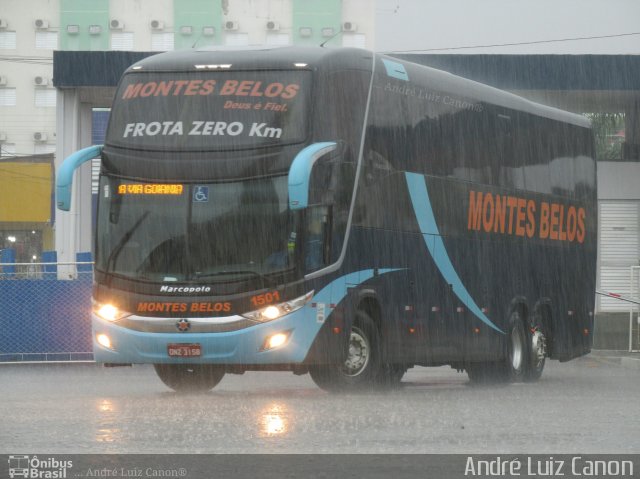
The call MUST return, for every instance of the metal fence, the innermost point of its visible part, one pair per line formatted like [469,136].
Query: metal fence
[45,311]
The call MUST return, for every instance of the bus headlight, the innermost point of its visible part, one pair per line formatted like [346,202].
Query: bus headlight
[275,311]
[109,312]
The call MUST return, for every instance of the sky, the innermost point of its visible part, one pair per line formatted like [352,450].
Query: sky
[450,26]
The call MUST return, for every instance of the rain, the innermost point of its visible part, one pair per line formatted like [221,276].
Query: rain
[300,227]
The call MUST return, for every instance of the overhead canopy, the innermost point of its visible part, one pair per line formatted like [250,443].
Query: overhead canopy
[573,82]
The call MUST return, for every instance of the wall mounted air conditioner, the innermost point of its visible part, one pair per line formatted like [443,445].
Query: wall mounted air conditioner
[116,24]
[40,81]
[273,26]
[3,80]
[349,27]
[156,25]
[231,25]
[41,24]
[40,136]
[3,23]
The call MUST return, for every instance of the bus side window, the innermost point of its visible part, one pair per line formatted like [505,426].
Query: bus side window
[317,237]
[563,157]
[534,146]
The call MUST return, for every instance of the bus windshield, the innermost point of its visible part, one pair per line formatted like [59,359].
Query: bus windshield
[207,111]
[194,232]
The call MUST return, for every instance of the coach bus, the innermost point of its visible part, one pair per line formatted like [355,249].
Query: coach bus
[340,213]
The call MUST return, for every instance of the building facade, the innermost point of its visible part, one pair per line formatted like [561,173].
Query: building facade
[31,30]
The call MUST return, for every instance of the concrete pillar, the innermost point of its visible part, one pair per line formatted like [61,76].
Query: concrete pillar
[73,230]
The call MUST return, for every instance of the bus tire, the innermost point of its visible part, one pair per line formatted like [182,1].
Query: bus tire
[191,378]
[516,363]
[514,367]
[361,368]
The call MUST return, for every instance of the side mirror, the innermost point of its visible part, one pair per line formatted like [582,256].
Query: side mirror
[64,178]
[300,172]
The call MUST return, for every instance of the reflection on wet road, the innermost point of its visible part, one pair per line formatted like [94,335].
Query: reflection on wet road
[581,406]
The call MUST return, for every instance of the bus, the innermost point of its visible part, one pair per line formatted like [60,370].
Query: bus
[340,213]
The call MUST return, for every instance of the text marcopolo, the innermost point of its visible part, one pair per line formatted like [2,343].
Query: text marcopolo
[200,128]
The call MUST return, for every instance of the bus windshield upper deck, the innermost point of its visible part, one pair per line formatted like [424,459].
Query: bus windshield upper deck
[207,110]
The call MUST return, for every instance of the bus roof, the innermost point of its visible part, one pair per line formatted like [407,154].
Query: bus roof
[441,80]
[277,58]
[267,58]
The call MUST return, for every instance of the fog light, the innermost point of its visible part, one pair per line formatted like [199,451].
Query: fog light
[104,340]
[275,341]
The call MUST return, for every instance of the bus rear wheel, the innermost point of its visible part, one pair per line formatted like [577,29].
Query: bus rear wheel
[189,377]
[515,365]
[362,366]
[517,359]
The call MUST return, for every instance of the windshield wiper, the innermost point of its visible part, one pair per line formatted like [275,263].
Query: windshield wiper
[111,260]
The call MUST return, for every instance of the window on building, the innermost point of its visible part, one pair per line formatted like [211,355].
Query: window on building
[162,42]
[47,40]
[95,175]
[43,148]
[7,97]
[122,41]
[45,97]
[7,40]
[7,150]
[236,39]
[354,40]
[278,39]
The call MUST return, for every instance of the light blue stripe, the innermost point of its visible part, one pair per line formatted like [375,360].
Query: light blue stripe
[395,69]
[336,291]
[435,245]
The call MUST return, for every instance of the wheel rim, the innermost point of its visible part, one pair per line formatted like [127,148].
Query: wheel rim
[359,353]
[517,348]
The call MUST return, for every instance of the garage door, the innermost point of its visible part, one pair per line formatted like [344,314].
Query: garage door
[619,250]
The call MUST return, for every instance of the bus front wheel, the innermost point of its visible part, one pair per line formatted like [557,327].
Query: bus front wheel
[362,366]
[189,377]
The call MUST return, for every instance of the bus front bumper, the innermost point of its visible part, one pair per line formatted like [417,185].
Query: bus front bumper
[115,344]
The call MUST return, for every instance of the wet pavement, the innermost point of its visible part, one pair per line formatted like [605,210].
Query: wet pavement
[588,405]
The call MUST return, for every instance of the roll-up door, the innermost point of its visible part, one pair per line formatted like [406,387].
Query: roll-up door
[619,249]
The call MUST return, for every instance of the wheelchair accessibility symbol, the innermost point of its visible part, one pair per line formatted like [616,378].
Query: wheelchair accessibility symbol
[200,194]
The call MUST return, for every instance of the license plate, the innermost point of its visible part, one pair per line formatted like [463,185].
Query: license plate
[184,350]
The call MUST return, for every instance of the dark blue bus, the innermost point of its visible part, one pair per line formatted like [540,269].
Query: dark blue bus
[341,213]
